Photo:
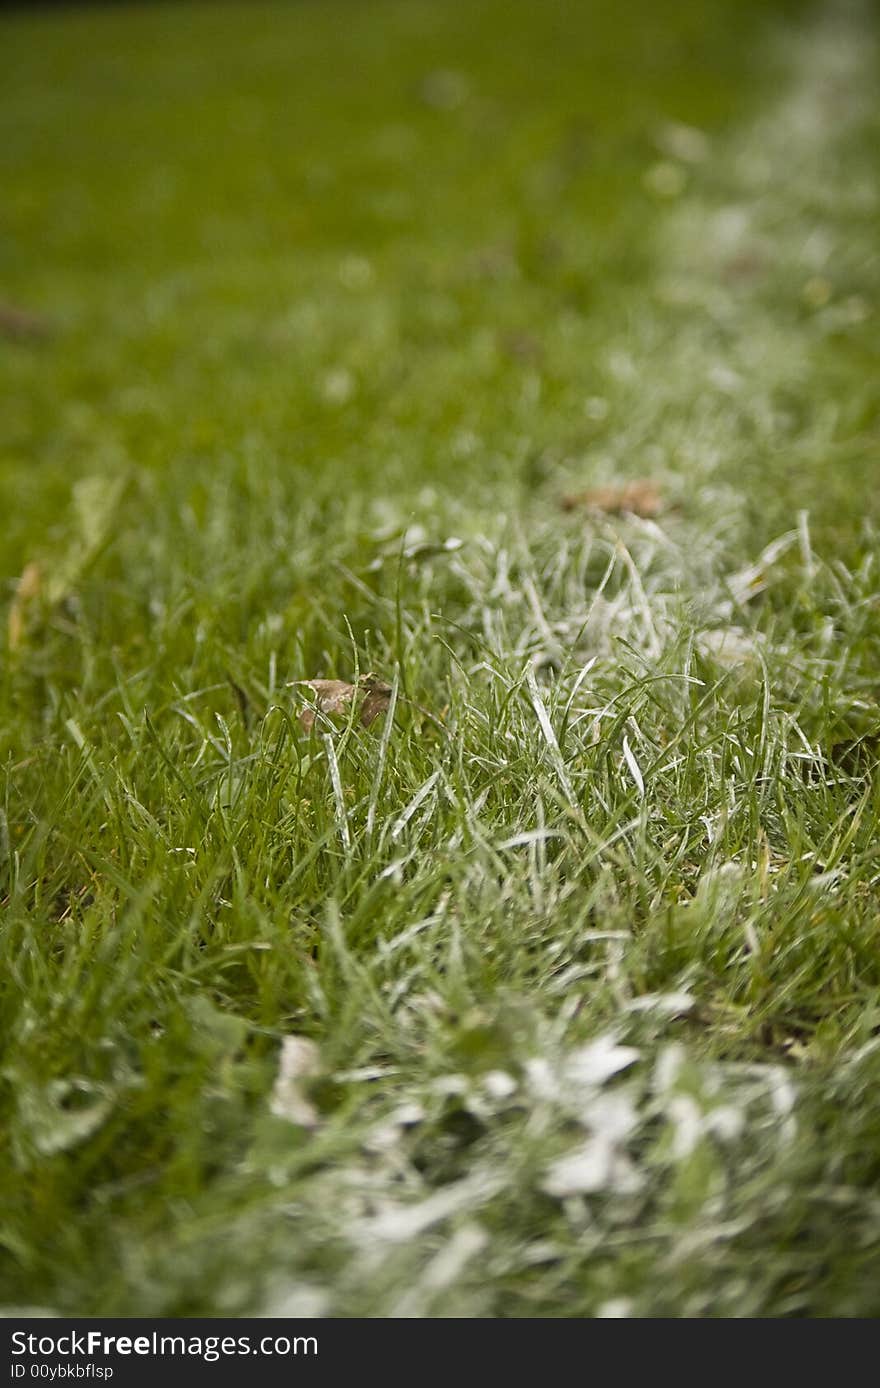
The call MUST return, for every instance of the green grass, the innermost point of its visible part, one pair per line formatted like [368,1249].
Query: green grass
[340,300]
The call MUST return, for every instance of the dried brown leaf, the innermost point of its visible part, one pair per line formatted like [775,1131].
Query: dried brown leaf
[747,265]
[95,504]
[333,697]
[26,593]
[521,346]
[639,498]
[377,697]
[19,323]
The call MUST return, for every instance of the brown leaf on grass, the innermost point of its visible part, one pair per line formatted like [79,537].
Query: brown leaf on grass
[17,323]
[335,697]
[521,346]
[639,498]
[747,265]
[26,593]
[95,504]
[377,697]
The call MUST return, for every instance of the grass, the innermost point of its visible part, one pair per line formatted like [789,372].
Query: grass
[340,299]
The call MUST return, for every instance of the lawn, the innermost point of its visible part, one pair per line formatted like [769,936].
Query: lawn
[525,359]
